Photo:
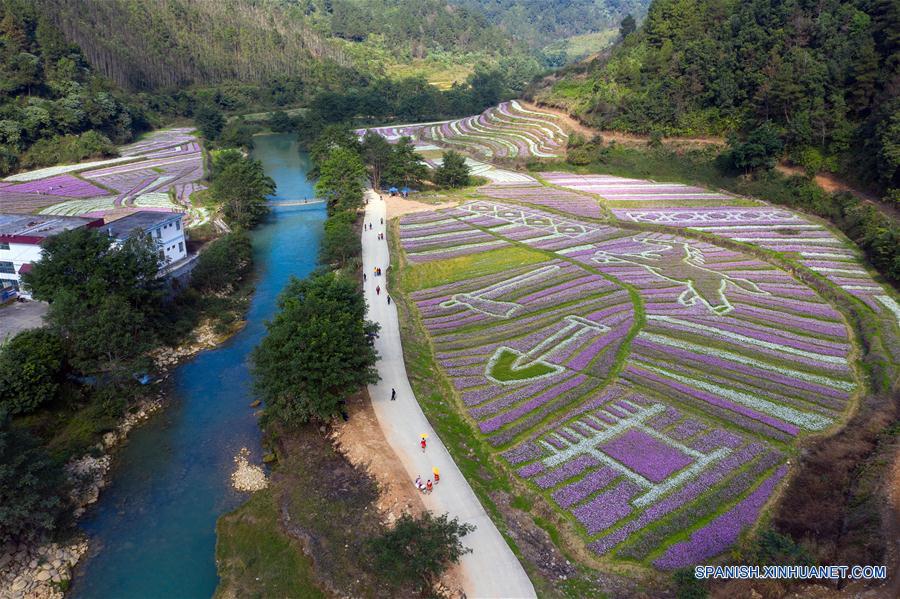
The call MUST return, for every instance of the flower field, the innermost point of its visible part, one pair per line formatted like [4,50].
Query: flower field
[508,130]
[539,195]
[649,385]
[149,173]
[622,192]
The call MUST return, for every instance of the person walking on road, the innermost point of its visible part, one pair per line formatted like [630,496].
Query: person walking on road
[423,444]
[437,474]
[364,278]
[389,299]
[378,290]
[428,486]
[393,394]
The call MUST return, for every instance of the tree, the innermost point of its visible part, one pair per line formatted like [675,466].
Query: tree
[418,550]
[376,153]
[331,138]
[453,172]
[107,335]
[759,150]
[242,187]
[340,242]
[319,349]
[405,167]
[85,262]
[209,120]
[627,26]
[224,263]
[31,367]
[342,178]
[281,122]
[31,486]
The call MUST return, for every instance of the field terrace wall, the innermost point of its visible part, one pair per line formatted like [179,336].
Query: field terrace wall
[506,131]
[158,172]
[646,383]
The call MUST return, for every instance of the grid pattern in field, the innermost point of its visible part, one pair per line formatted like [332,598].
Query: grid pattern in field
[645,383]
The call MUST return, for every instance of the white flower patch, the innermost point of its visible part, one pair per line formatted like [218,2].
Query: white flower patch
[76,207]
[891,304]
[155,199]
[740,359]
[807,420]
[848,271]
[738,338]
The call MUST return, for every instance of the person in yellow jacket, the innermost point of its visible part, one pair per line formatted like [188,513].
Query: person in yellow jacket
[437,474]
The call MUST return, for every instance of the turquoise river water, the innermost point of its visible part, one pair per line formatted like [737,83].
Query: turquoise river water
[152,533]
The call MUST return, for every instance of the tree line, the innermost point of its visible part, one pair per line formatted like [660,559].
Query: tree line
[820,76]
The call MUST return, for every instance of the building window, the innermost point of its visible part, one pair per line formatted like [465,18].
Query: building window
[177,225]
[162,256]
[4,246]
[14,283]
[159,233]
[7,267]
[180,247]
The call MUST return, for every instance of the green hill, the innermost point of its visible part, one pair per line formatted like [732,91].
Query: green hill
[540,23]
[826,74]
[157,44]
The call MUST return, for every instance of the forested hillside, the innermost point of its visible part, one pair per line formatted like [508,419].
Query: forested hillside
[542,22]
[168,43]
[825,74]
[53,107]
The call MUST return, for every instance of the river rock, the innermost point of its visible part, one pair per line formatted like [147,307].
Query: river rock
[43,575]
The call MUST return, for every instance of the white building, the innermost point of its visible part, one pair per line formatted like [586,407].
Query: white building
[21,236]
[164,227]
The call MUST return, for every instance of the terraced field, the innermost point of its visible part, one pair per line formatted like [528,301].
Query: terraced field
[158,172]
[649,385]
[506,131]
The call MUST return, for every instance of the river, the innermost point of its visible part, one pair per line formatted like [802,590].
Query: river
[152,533]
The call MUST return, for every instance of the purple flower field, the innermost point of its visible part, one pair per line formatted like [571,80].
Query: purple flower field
[631,425]
[167,161]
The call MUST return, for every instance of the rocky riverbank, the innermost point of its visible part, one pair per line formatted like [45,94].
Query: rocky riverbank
[42,570]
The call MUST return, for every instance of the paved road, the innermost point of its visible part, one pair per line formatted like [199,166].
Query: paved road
[20,316]
[491,570]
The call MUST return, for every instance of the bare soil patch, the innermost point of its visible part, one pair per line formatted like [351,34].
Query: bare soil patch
[397,206]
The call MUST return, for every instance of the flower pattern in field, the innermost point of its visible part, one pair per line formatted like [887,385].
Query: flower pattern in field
[165,164]
[643,382]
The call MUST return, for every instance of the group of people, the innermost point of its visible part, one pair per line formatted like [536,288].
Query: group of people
[428,486]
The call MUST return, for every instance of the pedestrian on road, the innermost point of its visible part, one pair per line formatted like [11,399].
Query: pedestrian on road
[419,484]
[389,299]
[393,394]
[378,290]
[428,486]
[364,278]
[382,220]
[423,444]
[437,474]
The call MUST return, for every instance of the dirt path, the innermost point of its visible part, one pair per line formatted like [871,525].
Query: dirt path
[491,570]
[627,139]
[361,441]
[832,184]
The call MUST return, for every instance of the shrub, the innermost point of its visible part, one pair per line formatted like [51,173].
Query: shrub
[31,366]
[31,486]
[223,264]
[418,550]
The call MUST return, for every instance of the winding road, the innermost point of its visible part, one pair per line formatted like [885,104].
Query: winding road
[491,570]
